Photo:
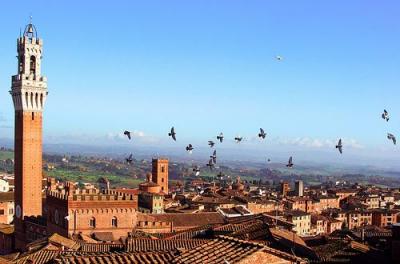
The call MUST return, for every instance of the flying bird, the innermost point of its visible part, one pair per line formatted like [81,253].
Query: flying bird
[220,137]
[214,157]
[129,159]
[196,170]
[189,148]
[172,134]
[211,143]
[262,134]
[279,58]
[238,139]
[339,146]
[128,134]
[290,163]
[385,115]
[391,137]
[269,160]
[210,164]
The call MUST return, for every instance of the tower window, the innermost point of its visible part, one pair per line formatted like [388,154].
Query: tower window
[92,222]
[33,116]
[33,65]
[114,222]
[162,169]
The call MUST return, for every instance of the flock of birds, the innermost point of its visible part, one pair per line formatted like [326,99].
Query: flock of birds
[262,135]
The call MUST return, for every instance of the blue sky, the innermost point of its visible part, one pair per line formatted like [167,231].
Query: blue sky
[209,66]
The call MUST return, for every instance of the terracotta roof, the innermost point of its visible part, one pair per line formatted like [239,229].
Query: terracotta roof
[227,250]
[162,245]
[6,196]
[187,233]
[6,229]
[113,258]
[103,236]
[189,220]
[39,257]
[63,241]
[101,247]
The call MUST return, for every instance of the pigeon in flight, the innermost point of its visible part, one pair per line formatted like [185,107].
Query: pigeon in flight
[269,160]
[129,159]
[391,137]
[189,148]
[196,170]
[211,143]
[290,163]
[279,58]
[385,115]
[339,146]
[210,164]
[220,137]
[214,157]
[128,134]
[238,139]
[172,134]
[262,134]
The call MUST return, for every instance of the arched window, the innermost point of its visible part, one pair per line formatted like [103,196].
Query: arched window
[32,65]
[114,222]
[92,222]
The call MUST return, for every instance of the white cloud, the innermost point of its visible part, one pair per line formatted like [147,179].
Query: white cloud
[319,143]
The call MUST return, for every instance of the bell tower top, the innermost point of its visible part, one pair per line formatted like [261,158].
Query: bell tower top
[29,87]
[30,30]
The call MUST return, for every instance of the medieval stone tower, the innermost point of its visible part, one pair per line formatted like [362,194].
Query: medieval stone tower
[160,173]
[29,92]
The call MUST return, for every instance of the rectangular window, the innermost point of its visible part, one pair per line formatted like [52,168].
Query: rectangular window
[1,211]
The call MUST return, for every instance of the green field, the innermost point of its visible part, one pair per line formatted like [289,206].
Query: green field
[92,177]
[4,154]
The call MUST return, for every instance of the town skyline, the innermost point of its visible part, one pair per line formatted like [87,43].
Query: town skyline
[294,100]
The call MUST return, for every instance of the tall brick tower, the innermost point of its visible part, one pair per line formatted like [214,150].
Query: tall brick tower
[160,173]
[29,92]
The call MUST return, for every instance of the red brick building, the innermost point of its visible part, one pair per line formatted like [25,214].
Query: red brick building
[384,218]
[160,173]
[90,212]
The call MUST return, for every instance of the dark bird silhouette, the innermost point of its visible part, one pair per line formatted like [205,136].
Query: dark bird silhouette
[210,164]
[196,170]
[172,134]
[238,139]
[279,58]
[220,137]
[211,143]
[262,134]
[189,148]
[391,137]
[339,146]
[214,157]
[290,163]
[128,134]
[129,159]
[385,115]
[269,160]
